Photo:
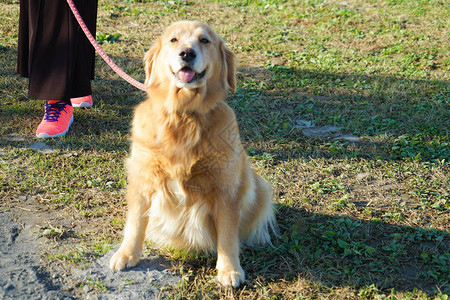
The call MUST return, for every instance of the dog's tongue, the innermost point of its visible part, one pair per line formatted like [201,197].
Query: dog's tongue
[186,74]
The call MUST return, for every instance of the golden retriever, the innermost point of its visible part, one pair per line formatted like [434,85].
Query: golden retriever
[190,184]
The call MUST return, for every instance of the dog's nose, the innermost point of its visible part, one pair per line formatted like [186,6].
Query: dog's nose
[187,54]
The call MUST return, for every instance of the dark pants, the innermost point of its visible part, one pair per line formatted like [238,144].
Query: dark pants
[53,51]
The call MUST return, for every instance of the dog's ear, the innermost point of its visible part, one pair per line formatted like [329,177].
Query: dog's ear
[149,61]
[229,64]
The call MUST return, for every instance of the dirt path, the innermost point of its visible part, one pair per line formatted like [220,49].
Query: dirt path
[22,275]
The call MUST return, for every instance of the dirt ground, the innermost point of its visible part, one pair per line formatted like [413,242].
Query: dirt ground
[26,273]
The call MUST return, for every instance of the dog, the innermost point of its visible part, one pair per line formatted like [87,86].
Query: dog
[190,184]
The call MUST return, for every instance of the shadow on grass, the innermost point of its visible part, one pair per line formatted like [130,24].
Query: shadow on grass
[402,118]
[337,251]
[320,252]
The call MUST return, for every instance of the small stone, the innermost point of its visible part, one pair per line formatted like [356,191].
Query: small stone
[41,147]
[349,138]
[322,131]
[14,138]
[303,124]
[22,198]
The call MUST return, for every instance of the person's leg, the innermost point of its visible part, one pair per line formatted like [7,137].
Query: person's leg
[48,64]
[84,55]
[49,57]
[81,51]
[23,43]
[57,58]
[60,60]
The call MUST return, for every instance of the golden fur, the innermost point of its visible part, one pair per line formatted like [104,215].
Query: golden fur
[189,181]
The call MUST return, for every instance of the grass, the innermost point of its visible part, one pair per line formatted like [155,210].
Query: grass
[358,220]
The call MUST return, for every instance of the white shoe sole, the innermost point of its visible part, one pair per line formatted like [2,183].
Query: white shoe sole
[82,104]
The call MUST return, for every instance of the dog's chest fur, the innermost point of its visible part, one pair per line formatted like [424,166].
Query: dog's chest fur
[179,221]
[180,209]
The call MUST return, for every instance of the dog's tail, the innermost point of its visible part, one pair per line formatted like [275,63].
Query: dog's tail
[265,222]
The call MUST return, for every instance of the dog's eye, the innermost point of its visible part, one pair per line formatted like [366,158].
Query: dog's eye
[204,40]
[174,40]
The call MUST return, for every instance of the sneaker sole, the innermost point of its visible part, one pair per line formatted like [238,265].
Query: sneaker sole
[82,104]
[45,135]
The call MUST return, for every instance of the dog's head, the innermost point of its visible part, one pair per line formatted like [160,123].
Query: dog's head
[190,56]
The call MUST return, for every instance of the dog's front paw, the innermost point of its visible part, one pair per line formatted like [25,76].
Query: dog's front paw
[232,278]
[122,260]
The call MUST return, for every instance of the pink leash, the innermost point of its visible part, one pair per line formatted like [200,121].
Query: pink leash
[100,51]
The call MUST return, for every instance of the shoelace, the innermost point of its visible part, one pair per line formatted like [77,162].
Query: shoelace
[53,111]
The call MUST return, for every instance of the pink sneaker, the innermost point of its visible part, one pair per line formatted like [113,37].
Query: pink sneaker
[57,119]
[85,101]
